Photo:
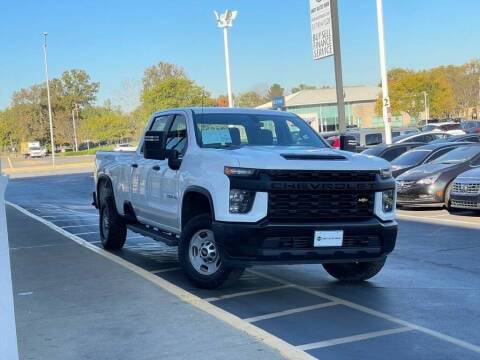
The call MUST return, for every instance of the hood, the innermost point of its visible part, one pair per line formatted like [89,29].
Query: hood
[473,174]
[304,158]
[423,171]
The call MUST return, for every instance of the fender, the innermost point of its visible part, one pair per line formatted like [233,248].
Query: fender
[200,190]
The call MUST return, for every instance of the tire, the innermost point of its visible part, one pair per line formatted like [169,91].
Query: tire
[201,259]
[448,190]
[355,272]
[113,230]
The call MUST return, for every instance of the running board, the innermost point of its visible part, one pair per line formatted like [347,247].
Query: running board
[157,235]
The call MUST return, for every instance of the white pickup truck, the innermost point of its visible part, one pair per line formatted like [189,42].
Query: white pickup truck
[239,187]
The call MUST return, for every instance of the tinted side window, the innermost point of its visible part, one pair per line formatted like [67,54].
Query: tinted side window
[373,139]
[391,154]
[472,139]
[160,122]
[438,154]
[177,135]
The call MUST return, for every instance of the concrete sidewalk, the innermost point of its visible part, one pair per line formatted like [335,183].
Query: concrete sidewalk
[71,303]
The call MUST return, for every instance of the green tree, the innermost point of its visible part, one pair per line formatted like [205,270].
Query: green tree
[250,99]
[160,72]
[104,124]
[275,90]
[302,87]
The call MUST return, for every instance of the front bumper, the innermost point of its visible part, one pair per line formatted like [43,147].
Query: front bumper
[420,196]
[464,201]
[245,244]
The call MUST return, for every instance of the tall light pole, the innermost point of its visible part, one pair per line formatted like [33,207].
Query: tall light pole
[225,21]
[425,103]
[52,141]
[75,126]
[383,71]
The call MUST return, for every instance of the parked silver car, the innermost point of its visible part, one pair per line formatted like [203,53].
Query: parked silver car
[466,190]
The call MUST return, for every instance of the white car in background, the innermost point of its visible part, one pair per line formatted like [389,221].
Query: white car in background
[125,147]
[450,127]
[37,152]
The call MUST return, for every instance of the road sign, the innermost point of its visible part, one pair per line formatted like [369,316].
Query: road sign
[321,24]
[278,102]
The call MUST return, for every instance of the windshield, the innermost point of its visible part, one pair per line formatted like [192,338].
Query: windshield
[460,155]
[429,128]
[236,130]
[411,158]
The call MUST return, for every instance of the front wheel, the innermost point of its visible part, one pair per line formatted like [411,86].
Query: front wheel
[356,271]
[201,258]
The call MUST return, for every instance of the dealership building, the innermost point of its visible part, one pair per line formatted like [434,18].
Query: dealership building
[319,108]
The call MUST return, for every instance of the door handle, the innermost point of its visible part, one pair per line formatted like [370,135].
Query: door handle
[156,167]
[134,166]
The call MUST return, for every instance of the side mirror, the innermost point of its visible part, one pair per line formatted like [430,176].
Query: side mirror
[348,143]
[154,145]
[174,160]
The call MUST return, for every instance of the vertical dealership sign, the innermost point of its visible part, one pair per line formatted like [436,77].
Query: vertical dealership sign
[326,42]
[321,24]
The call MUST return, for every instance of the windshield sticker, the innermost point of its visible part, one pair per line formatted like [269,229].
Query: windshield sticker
[217,136]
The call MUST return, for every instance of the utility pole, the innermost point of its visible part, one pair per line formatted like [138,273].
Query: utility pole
[427,110]
[337,57]
[225,21]
[52,141]
[74,127]
[383,72]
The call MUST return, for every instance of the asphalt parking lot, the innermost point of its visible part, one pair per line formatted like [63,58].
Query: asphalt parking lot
[423,305]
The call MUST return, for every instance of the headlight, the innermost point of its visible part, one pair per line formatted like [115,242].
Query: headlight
[429,180]
[241,201]
[237,171]
[388,201]
[386,173]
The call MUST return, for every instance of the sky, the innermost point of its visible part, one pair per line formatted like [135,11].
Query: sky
[114,41]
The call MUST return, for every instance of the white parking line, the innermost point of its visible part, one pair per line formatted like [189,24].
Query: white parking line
[244,293]
[289,312]
[379,314]
[75,226]
[87,233]
[349,339]
[284,348]
[475,224]
[159,271]
[54,217]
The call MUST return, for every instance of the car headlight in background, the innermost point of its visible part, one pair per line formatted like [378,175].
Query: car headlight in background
[385,173]
[241,201]
[388,201]
[429,180]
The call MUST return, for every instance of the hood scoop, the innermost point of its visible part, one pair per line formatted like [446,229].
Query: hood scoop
[313,157]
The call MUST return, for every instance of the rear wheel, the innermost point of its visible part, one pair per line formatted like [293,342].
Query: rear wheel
[356,271]
[113,230]
[201,258]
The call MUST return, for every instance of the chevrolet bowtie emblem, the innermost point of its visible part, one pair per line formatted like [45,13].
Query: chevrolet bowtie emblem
[362,200]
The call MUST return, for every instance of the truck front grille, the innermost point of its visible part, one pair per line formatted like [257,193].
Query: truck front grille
[314,206]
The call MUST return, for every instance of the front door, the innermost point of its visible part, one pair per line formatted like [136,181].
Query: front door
[142,174]
[163,197]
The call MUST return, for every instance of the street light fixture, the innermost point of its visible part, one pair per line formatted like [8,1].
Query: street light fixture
[225,21]
[52,142]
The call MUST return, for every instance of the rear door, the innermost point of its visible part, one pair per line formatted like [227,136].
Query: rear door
[142,170]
